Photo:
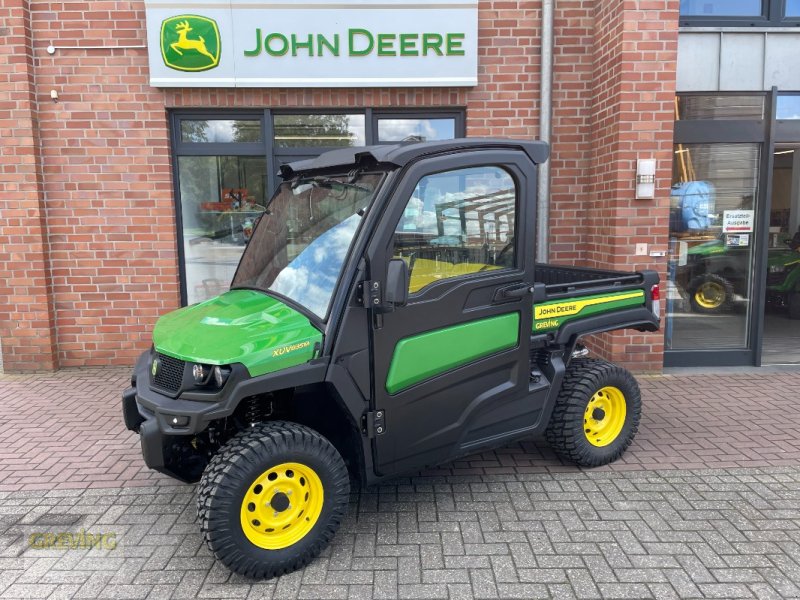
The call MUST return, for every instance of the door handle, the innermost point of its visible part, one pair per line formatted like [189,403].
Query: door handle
[513,292]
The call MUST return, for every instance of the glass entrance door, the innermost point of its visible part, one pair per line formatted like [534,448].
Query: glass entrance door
[781,338]
[712,239]
[716,226]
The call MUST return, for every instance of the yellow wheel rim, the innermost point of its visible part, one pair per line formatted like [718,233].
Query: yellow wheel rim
[710,295]
[282,505]
[604,416]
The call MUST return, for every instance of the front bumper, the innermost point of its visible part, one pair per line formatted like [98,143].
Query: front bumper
[165,444]
[161,420]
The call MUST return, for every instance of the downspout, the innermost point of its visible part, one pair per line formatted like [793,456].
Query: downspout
[545,127]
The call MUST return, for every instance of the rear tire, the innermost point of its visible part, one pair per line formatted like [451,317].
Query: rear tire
[710,294]
[596,415]
[272,498]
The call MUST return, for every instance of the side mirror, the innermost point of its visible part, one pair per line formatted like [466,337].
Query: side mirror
[396,292]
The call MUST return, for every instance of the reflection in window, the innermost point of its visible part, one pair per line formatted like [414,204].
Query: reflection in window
[331,131]
[722,8]
[221,199]
[416,130]
[457,223]
[793,8]
[220,130]
[694,107]
[712,239]
[300,245]
[788,107]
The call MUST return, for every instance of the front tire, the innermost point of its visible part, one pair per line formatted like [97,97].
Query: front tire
[272,498]
[710,294]
[596,415]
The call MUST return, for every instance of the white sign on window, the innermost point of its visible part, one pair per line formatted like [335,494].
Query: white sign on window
[323,43]
[738,221]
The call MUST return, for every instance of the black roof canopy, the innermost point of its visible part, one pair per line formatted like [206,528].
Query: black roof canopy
[400,154]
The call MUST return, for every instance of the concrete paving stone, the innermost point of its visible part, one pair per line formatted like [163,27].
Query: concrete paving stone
[725,590]
[685,514]
[28,590]
[385,585]
[359,592]
[583,584]
[634,591]
[483,583]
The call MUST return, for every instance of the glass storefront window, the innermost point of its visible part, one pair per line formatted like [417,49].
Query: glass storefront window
[220,130]
[702,107]
[793,8]
[712,242]
[303,131]
[224,178]
[788,107]
[222,197]
[725,8]
[417,130]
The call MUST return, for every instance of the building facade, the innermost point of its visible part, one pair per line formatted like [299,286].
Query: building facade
[126,193]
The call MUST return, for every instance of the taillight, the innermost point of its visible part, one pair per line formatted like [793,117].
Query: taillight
[655,295]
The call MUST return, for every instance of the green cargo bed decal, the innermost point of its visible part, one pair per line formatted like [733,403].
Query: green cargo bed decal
[551,315]
[426,355]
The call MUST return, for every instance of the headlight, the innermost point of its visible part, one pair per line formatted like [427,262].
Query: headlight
[221,375]
[199,372]
[210,376]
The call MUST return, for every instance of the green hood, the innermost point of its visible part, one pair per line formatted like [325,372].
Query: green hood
[240,326]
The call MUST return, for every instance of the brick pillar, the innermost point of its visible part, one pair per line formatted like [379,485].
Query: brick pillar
[27,324]
[635,54]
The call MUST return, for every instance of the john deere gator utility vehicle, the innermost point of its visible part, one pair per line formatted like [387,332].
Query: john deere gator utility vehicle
[715,274]
[387,314]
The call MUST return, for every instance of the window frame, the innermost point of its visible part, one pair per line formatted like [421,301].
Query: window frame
[517,266]
[267,149]
[773,14]
[435,113]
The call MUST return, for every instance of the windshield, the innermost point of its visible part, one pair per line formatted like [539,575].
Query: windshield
[300,244]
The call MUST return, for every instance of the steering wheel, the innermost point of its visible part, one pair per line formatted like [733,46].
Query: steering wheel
[499,257]
[506,248]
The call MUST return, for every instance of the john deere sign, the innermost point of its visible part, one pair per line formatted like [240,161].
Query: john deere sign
[325,43]
[190,43]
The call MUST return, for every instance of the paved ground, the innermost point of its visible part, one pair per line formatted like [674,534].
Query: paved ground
[705,504]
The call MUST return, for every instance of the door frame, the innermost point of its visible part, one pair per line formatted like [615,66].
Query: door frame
[379,252]
[762,132]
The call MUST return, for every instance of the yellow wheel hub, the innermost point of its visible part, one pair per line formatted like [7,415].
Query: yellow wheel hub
[710,295]
[604,416]
[282,505]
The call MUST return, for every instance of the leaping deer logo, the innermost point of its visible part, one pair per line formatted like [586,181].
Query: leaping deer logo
[184,43]
[182,52]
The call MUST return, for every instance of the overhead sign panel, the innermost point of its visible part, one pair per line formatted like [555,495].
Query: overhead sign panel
[321,43]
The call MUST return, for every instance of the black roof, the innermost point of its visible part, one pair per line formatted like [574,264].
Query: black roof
[400,154]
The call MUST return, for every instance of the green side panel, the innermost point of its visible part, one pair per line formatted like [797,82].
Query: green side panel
[789,261]
[708,249]
[549,316]
[426,355]
[240,326]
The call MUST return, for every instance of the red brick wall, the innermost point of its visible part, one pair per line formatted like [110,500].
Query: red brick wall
[26,303]
[635,54]
[106,189]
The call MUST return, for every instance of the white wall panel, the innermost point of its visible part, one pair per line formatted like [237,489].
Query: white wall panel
[741,65]
[747,61]
[698,62]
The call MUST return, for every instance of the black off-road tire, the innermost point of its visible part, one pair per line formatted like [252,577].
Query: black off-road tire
[233,469]
[725,302]
[565,432]
[794,305]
